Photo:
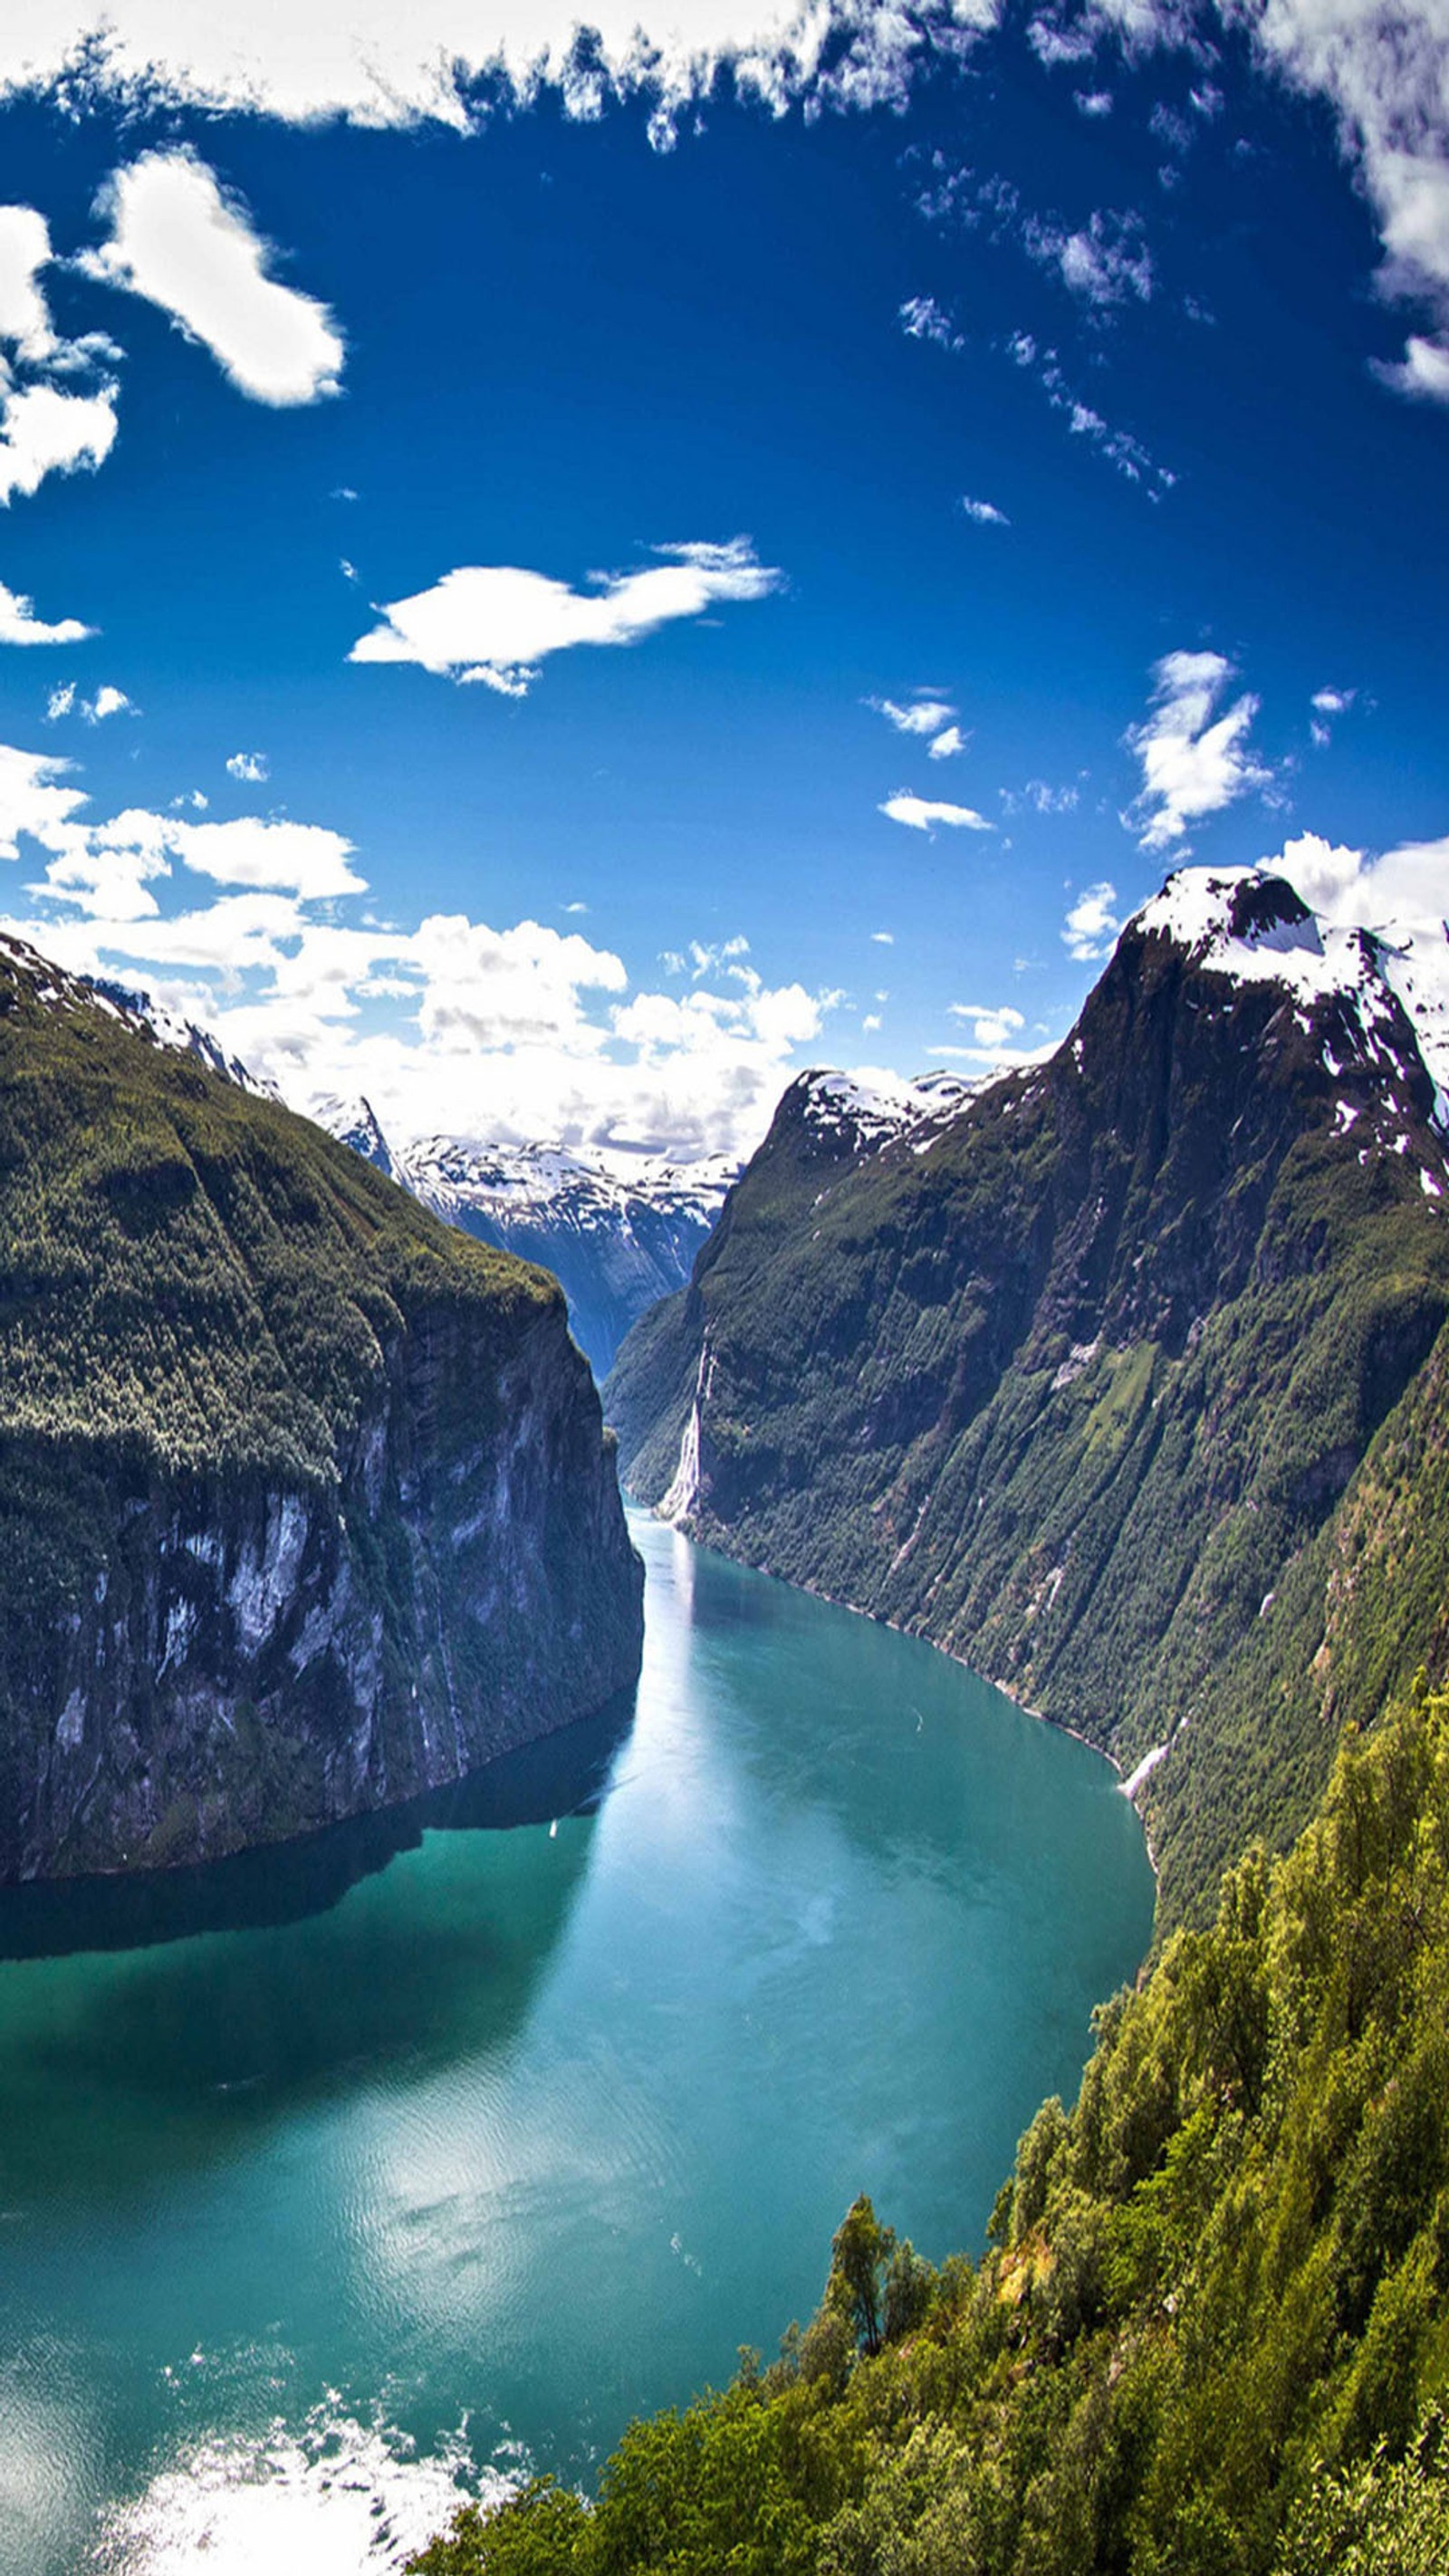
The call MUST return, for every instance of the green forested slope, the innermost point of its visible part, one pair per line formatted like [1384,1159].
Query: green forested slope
[1214,2314]
[305,1503]
[1079,1383]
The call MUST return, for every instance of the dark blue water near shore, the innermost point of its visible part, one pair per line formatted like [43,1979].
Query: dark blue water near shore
[452,2139]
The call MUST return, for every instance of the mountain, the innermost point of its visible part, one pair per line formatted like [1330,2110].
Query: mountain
[1100,1380]
[615,1242]
[305,1503]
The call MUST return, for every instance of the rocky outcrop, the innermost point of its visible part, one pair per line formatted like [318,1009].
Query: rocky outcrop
[305,1502]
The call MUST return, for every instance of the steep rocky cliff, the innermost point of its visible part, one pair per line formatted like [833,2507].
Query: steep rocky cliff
[1079,1381]
[305,1503]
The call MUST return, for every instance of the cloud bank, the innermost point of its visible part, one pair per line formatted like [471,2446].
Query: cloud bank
[514,1031]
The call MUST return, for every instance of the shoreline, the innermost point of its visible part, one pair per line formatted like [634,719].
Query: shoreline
[857,1609]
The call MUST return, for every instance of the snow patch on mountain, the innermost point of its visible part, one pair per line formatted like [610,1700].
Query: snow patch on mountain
[847,1111]
[1379,997]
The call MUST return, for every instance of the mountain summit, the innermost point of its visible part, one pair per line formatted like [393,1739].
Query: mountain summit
[1080,1381]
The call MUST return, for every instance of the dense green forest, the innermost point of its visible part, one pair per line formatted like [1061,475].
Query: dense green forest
[1210,2336]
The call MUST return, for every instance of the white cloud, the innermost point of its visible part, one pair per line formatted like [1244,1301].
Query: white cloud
[60,702]
[108,701]
[252,766]
[20,625]
[1093,102]
[922,318]
[301,858]
[45,431]
[923,715]
[519,1031]
[370,60]
[496,624]
[1194,761]
[884,938]
[1334,702]
[946,745]
[30,799]
[870,1020]
[1092,924]
[183,245]
[1383,71]
[994,1024]
[1408,886]
[1104,264]
[920,813]
[985,513]
[24,314]
[1042,797]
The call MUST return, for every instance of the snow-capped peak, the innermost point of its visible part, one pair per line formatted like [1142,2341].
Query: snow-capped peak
[353,1121]
[1253,926]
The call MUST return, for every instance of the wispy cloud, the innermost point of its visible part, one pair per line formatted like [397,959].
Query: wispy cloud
[922,318]
[946,744]
[923,813]
[1194,761]
[1121,450]
[918,715]
[496,624]
[985,513]
[177,240]
[1042,797]
[252,767]
[1104,262]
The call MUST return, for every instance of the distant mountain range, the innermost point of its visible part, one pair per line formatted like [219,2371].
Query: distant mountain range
[1101,1376]
[615,1242]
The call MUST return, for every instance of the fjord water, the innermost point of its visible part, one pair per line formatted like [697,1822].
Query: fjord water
[444,2143]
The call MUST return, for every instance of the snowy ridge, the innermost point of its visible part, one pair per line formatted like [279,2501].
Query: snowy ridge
[353,1121]
[1380,998]
[619,1231]
[55,989]
[531,1185]
[856,1116]
[152,1019]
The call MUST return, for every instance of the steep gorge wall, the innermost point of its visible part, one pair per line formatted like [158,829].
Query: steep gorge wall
[1076,1386]
[305,1502]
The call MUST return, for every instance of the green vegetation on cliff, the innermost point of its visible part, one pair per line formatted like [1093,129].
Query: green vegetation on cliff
[1212,2331]
[305,1503]
[1084,1381]
[186,1267]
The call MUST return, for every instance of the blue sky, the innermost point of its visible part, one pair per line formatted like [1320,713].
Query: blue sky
[565,531]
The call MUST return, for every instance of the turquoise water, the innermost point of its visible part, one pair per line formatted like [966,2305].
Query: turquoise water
[448,2142]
